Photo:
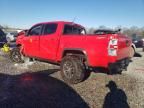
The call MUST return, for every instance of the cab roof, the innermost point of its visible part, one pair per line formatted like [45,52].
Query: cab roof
[62,22]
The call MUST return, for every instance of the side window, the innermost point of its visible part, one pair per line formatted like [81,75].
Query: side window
[76,30]
[36,30]
[50,29]
[70,29]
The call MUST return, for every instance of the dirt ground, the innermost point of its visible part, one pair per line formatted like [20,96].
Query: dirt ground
[39,85]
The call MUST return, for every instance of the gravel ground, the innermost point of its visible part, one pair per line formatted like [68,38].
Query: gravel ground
[39,85]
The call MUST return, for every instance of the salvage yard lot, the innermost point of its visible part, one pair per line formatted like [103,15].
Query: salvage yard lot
[38,85]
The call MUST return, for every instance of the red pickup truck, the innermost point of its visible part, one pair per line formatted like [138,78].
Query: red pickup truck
[67,44]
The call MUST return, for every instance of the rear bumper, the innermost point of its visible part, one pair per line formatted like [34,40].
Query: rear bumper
[123,64]
[105,61]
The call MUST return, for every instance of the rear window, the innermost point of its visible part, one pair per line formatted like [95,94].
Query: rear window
[50,29]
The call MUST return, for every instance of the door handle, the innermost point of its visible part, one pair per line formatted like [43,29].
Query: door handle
[33,39]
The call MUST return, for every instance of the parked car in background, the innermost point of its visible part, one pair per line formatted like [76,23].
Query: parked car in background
[143,44]
[11,36]
[2,38]
[138,41]
[106,31]
[143,41]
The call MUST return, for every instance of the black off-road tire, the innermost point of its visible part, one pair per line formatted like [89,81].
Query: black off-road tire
[16,56]
[72,70]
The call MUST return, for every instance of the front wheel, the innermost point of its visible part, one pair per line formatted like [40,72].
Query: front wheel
[72,70]
[16,56]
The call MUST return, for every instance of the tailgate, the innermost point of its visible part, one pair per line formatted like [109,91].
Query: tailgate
[124,45]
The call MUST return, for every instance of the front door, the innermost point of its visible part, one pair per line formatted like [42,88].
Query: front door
[31,41]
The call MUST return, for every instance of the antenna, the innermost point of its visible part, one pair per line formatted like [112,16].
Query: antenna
[73,20]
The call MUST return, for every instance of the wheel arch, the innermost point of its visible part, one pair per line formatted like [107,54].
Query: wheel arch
[22,49]
[75,52]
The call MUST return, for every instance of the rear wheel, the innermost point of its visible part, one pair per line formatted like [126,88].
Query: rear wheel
[16,56]
[72,70]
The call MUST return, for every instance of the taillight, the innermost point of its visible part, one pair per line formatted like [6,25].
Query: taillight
[112,47]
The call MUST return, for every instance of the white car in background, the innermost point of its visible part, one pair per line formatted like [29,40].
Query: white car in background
[11,36]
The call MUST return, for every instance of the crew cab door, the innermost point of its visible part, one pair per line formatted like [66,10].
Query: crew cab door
[31,41]
[49,41]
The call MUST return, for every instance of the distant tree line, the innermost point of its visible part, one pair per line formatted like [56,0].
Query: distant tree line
[7,28]
[133,31]
[1,27]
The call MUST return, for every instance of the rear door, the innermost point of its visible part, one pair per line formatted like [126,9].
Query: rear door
[31,41]
[49,41]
